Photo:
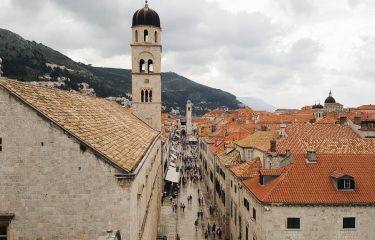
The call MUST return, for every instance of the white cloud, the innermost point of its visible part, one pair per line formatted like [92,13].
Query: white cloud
[287,52]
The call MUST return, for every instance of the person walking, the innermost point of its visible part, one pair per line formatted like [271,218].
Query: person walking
[196,224]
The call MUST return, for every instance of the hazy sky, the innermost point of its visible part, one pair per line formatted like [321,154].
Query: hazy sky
[289,53]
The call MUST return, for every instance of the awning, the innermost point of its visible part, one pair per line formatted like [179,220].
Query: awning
[172,175]
[193,139]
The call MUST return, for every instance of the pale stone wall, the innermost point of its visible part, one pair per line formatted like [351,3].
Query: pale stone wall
[57,191]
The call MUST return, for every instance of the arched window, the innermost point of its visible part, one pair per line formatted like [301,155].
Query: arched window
[146,96]
[145,36]
[156,36]
[150,67]
[142,66]
[136,35]
[150,95]
[142,96]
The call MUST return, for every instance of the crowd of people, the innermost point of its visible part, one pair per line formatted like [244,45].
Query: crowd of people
[191,174]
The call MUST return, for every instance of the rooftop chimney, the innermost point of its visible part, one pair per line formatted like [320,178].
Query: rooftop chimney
[273,145]
[311,156]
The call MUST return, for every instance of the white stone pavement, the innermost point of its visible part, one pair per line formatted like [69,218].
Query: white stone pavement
[183,222]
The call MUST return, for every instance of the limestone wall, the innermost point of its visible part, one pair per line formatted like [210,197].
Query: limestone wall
[58,191]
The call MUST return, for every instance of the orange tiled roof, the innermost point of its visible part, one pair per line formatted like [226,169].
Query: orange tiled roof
[367,107]
[103,125]
[324,138]
[231,158]
[259,139]
[247,169]
[302,183]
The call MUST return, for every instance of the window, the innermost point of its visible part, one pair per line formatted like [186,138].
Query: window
[293,223]
[4,223]
[142,66]
[150,66]
[345,184]
[1,144]
[3,233]
[348,222]
[247,233]
[142,96]
[156,36]
[246,203]
[235,188]
[136,36]
[250,154]
[150,95]
[231,184]
[145,36]
[254,214]
[146,96]
[147,81]
[231,209]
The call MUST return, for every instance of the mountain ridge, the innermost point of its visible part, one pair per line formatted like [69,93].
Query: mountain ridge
[26,60]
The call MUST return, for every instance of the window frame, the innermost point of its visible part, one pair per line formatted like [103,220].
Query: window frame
[289,225]
[345,225]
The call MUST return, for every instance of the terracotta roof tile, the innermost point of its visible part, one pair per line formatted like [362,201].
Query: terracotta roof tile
[247,169]
[259,139]
[230,158]
[103,125]
[303,183]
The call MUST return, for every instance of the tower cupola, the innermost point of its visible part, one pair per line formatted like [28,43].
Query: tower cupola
[146,16]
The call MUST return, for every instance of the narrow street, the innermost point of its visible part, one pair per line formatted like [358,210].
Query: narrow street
[182,221]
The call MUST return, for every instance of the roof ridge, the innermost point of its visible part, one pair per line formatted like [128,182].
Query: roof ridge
[47,88]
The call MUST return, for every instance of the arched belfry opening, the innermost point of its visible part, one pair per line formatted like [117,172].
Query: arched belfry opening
[150,66]
[150,95]
[156,37]
[142,96]
[146,96]
[142,65]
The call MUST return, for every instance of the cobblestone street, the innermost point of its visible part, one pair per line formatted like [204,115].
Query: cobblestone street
[182,222]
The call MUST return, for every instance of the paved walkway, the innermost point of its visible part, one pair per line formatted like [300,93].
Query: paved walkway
[182,222]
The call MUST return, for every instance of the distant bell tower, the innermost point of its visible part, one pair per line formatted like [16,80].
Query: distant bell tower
[189,109]
[146,66]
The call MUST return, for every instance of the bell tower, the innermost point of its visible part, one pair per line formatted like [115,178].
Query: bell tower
[146,66]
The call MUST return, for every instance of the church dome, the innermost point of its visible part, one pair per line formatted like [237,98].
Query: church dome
[146,16]
[317,106]
[330,99]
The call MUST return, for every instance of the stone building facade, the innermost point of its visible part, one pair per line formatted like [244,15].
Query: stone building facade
[58,183]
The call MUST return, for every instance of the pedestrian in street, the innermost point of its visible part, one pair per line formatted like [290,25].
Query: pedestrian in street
[196,224]
[206,235]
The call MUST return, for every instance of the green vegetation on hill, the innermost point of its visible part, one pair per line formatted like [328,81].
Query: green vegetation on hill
[27,61]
